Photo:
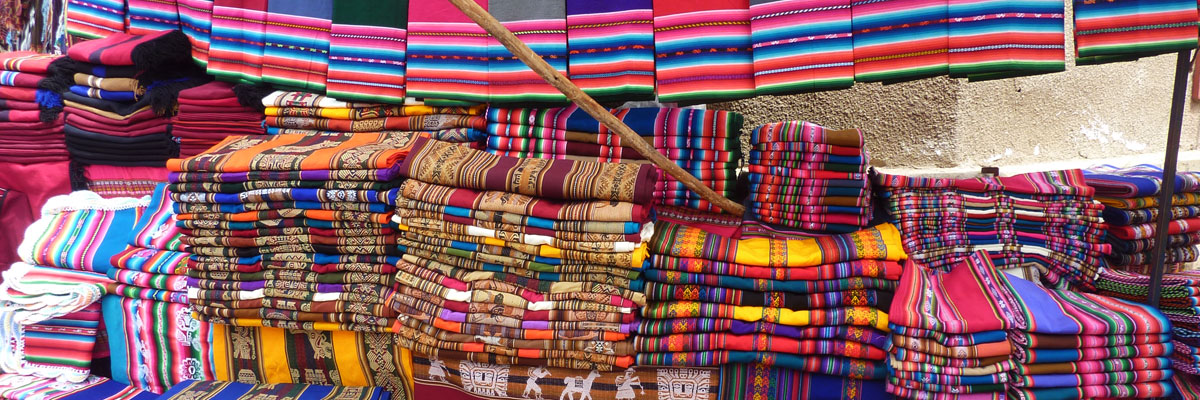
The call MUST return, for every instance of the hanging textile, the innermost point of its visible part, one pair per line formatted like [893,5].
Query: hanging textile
[148,16]
[367,44]
[296,44]
[93,19]
[542,25]
[439,32]
[703,51]
[1108,31]
[195,19]
[611,48]
[899,40]
[1004,39]
[801,45]
[235,49]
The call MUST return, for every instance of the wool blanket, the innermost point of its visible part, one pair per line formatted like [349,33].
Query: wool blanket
[437,30]
[237,40]
[881,242]
[367,44]
[611,48]
[94,19]
[646,121]
[149,16]
[234,390]
[997,40]
[155,344]
[720,67]
[561,179]
[1137,181]
[81,231]
[1125,30]
[195,20]
[899,40]
[801,46]
[760,381]
[296,44]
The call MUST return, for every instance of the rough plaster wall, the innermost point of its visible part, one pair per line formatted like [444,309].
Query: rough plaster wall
[905,124]
[1084,113]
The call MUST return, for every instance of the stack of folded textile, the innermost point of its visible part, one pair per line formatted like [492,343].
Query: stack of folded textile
[23,387]
[950,332]
[809,305]
[33,153]
[50,302]
[703,142]
[154,341]
[804,177]
[120,90]
[210,112]
[516,261]
[308,114]
[290,230]
[1130,198]
[1042,223]
[237,390]
[1079,346]
[1109,31]
[1180,296]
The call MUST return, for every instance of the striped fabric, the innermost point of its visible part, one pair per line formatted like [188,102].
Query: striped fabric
[447,53]
[702,50]
[48,320]
[155,344]
[296,44]
[59,347]
[611,48]
[21,387]
[195,19]
[994,39]
[541,24]
[1117,30]
[149,16]
[801,45]
[367,44]
[93,19]
[236,44]
[899,40]
[80,231]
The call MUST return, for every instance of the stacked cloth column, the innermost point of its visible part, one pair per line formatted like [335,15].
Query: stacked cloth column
[950,332]
[120,91]
[1042,223]
[807,178]
[809,305]
[309,114]
[50,302]
[978,332]
[33,153]
[1130,198]
[154,341]
[521,262]
[703,142]
[1081,346]
[290,230]
[1178,301]
[208,114]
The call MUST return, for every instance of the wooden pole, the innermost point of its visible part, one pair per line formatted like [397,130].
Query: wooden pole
[589,105]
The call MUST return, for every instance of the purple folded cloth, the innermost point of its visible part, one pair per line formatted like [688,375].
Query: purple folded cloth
[226,285]
[454,316]
[875,338]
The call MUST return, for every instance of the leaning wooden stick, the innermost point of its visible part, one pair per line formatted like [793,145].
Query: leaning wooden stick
[589,105]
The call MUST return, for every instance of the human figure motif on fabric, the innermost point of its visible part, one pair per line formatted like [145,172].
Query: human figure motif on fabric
[531,385]
[580,385]
[437,370]
[625,384]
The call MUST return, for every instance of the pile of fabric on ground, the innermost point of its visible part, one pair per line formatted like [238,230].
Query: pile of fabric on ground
[703,142]
[1041,226]
[290,230]
[119,93]
[814,306]
[33,153]
[154,341]
[521,262]
[975,330]
[307,113]
[210,112]
[50,302]
[807,178]
[1130,198]
[1178,301]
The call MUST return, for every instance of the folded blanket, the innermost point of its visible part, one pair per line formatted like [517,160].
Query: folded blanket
[1137,181]
[104,94]
[360,151]
[158,50]
[604,211]
[27,61]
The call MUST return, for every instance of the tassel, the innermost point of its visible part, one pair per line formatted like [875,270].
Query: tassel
[168,50]
[252,95]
